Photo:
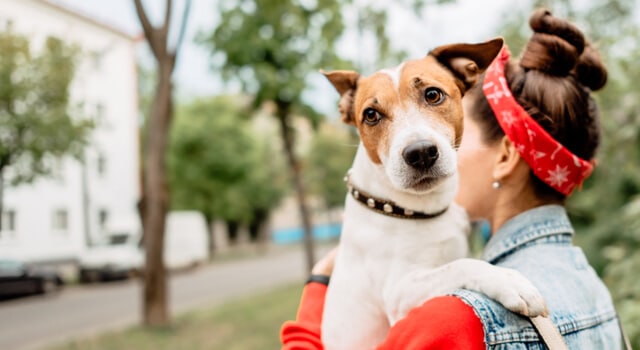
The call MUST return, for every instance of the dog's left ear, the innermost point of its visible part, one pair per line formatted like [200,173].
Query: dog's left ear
[468,61]
[346,83]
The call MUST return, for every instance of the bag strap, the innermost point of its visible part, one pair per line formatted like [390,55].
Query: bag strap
[553,339]
[549,333]
[625,339]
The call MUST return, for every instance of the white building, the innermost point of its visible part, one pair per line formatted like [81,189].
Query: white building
[50,220]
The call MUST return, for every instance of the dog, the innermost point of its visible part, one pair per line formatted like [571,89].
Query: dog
[403,239]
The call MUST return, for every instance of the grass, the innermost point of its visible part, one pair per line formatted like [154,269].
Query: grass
[251,323]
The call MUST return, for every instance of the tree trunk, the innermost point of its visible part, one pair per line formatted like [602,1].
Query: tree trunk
[296,173]
[211,233]
[255,226]
[232,231]
[156,203]
[257,229]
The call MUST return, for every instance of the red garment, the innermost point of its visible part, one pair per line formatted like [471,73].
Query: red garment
[440,323]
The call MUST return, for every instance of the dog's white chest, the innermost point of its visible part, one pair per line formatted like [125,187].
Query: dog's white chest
[391,246]
[376,253]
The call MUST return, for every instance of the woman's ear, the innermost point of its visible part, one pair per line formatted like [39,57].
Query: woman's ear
[507,160]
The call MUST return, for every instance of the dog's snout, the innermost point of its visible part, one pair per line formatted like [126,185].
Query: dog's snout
[421,155]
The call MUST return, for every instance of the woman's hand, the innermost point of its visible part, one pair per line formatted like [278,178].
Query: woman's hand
[324,266]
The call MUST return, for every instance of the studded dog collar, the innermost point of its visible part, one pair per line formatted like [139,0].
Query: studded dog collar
[387,207]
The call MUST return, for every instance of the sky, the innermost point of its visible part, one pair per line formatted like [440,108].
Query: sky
[463,21]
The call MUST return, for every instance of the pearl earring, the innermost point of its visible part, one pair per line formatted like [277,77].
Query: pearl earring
[496,184]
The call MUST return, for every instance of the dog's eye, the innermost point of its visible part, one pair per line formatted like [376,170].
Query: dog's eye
[371,116]
[433,96]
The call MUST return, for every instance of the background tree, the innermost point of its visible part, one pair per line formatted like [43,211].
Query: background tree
[265,186]
[155,195]
[330,156]
[270,47]
[218,164]
[36,125]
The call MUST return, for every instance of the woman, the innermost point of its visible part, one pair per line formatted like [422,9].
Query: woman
[531,132]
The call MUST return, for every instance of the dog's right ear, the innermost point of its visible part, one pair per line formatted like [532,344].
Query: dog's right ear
[345,82]
[468,61]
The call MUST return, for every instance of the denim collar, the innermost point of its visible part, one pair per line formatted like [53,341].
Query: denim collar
[533,224]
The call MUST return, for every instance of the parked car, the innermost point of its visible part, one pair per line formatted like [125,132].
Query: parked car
[186,242]
[18,279]
[118,256]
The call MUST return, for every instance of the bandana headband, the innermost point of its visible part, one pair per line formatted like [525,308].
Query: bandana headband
[549,160]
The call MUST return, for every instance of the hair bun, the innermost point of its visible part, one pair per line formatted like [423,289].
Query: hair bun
[542,21]
[590,71]
[555,46]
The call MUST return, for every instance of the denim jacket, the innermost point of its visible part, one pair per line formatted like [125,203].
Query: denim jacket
[538,243]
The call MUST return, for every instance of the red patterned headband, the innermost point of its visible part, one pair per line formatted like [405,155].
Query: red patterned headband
[549,160]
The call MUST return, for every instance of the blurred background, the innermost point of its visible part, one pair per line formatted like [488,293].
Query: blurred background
[169,170]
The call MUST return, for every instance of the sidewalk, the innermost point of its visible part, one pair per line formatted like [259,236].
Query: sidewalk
[86,310]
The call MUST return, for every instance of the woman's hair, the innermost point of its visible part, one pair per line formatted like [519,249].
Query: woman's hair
[552,81]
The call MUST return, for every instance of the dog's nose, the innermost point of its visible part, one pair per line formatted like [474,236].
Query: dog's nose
[421,155]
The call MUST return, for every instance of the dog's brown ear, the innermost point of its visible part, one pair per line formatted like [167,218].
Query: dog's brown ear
[468,61]
[345,82]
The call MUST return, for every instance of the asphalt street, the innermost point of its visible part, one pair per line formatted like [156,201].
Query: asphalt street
[78,311]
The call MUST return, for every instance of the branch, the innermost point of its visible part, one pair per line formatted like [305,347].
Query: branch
[148,29]
[183,27]
[167,18]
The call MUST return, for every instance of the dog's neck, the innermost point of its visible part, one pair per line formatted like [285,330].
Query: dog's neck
[371,178]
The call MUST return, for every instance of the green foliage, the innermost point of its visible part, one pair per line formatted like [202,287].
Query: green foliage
[218,165]
[271,46]
[35,122]
[607,211]
[332,151]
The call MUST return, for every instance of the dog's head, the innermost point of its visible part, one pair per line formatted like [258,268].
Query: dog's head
[410,117]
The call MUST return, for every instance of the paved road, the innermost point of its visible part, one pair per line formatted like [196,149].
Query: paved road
[84,310]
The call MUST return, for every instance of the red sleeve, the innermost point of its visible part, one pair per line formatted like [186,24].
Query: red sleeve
[304,332]
[440,323]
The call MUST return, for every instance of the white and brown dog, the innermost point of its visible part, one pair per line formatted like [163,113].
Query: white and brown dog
[403,239]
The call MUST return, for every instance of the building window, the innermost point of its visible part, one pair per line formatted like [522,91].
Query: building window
[96,60]
[8,221]
[100,111]
[102,164]
[60,220]
[57,169]
[103,216]
[6,24]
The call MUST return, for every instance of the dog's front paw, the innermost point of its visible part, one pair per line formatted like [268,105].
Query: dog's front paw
[513,290]
[507,286]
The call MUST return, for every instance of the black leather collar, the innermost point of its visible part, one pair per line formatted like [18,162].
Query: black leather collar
[387,207]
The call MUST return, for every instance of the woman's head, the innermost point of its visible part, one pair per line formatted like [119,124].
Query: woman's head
[552,81]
